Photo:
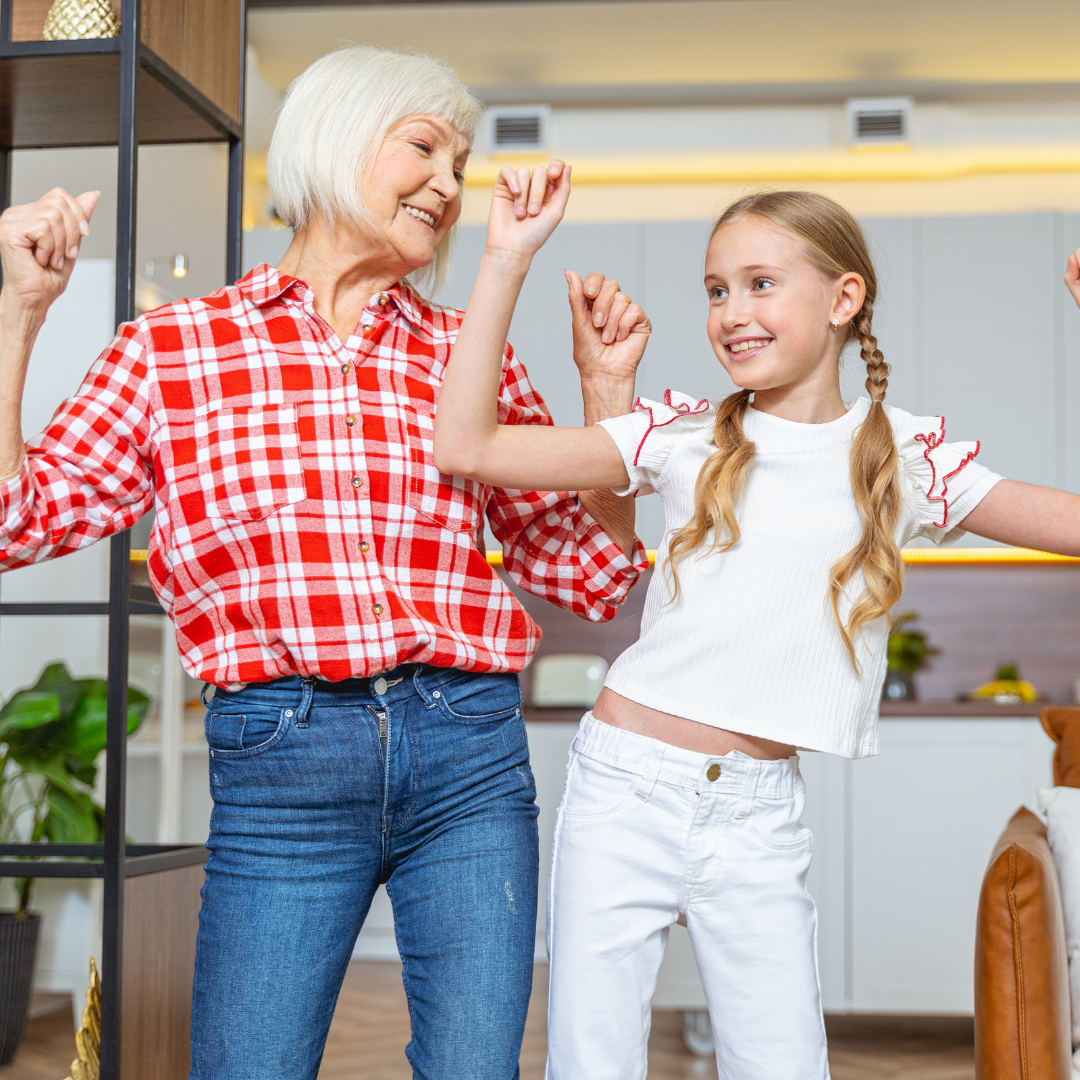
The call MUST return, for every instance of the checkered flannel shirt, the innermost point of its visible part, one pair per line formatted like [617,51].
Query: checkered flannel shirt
[300,526]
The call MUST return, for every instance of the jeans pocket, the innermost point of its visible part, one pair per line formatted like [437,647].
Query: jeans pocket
[595,789]
[243,733]
[776,823]
[469,698]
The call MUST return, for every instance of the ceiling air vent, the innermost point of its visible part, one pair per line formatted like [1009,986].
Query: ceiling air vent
[524,127]
[876,121]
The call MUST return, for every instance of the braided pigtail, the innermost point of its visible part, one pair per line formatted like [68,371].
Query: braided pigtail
[875,482]
[719,486]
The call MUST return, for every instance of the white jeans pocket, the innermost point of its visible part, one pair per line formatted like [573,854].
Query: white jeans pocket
[595,789]
[777,823]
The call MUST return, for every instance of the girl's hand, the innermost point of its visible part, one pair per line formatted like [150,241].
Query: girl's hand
[1072,276]
[610,330]
[39,243]
[526,207]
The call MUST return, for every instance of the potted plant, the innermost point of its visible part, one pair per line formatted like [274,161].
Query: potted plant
[50,739]
[908,652]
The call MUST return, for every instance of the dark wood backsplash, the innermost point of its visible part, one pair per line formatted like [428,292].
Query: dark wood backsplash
[979,616]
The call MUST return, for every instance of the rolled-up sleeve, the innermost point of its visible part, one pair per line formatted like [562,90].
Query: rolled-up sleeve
[89,473]
[552,547]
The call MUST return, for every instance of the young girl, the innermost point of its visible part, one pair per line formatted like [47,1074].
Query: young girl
[764,629]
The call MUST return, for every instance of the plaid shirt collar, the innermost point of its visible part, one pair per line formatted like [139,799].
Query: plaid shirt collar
[265,284]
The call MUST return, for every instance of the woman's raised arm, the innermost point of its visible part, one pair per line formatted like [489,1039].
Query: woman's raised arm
[469,441]
[39,243]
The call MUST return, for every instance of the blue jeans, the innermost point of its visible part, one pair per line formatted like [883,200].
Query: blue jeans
[322,791]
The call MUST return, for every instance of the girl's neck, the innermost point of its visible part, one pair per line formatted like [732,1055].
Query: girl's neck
[816,402]
[344,269]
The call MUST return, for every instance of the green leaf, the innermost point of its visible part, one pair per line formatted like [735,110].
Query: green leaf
[56,679]
[71,819]
[29,709]
[87,729]
[87,733]
[54,771]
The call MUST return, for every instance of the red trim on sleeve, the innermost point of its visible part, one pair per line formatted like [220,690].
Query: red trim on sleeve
[682,409]
[932,440]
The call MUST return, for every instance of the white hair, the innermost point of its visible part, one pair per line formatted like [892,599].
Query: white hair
[333,122]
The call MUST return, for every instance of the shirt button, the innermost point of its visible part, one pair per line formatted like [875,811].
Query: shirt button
[367,329]
[379,686]
[713,771]
[382,301]
[377,608]
[357,481]
[350,420]
[344,369]
[364,545]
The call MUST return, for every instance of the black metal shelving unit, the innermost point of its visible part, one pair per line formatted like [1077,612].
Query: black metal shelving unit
[112,91]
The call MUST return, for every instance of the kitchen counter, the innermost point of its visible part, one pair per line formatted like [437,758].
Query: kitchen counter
[973,709]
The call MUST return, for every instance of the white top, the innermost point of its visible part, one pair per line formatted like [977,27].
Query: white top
[751,644]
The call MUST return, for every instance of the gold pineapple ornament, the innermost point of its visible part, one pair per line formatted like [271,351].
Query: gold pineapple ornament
[70,20]
[87,1066]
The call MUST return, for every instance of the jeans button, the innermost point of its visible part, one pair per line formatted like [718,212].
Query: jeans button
[380,686]
[713,771]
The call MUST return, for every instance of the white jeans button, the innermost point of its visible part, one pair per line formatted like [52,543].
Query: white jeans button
[380,686]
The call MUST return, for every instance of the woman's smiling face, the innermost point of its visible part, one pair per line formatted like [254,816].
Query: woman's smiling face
[413,188]
[770,306]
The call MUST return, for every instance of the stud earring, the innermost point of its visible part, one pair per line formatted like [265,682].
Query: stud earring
[835,323]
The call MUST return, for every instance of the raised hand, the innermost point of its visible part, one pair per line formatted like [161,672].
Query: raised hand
[526,207]
[39,243]
[610,330]
[1072,276]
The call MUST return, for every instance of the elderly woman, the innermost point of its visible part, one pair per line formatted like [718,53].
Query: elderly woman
[322,574]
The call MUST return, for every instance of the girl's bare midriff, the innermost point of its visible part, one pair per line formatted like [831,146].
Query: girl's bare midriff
[620,712]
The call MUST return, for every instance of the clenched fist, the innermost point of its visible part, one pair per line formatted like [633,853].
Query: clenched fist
[39,243]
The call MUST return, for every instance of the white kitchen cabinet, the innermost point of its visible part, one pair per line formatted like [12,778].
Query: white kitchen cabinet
[924,817]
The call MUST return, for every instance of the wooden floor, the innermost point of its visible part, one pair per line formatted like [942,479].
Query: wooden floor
[371,1027]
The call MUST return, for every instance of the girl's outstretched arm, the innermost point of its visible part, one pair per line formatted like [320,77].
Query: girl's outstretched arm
[469,441]
[1026,515]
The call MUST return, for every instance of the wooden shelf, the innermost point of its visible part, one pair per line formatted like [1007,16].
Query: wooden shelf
[67,93]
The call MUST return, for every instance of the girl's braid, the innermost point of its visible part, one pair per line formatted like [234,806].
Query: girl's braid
[877,371]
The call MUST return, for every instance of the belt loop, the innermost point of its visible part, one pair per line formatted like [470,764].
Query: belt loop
[202,694]
[304,708]
[646,781]
[753,775]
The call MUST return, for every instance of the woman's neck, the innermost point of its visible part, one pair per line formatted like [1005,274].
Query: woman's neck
[344,269]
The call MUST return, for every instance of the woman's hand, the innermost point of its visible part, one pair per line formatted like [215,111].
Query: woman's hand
[610,330]
[1072,276]
[526,207]
[39,243]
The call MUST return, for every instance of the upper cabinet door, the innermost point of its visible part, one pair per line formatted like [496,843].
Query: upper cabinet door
[986,301]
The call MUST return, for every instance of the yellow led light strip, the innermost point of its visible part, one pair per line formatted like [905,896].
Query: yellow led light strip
[972,556]
[922,556]
[832,165]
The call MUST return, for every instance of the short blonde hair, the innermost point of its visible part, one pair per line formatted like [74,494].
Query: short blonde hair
[333,122]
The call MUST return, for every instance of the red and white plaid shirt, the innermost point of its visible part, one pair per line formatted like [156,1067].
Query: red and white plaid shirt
[300,525]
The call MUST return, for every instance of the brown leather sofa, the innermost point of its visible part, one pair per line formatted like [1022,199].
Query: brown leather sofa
[1023,1029]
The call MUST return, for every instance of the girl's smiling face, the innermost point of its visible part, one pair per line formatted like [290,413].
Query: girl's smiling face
[771,308]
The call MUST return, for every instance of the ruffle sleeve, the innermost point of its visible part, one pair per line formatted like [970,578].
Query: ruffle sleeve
[646,436]
[945,480]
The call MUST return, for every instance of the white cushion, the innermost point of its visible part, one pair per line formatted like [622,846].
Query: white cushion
[1061,805]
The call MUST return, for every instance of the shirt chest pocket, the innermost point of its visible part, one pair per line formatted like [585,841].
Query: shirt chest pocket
[449,501]
[249,461]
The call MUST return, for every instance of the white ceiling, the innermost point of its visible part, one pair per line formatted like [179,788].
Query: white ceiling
[708,50]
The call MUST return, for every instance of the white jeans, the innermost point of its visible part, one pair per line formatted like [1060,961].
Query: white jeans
[645,838]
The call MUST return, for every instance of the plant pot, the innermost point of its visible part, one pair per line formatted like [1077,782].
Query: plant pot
[899,686]
[18,951]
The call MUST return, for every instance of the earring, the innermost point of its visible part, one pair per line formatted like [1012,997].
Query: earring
[835,323]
